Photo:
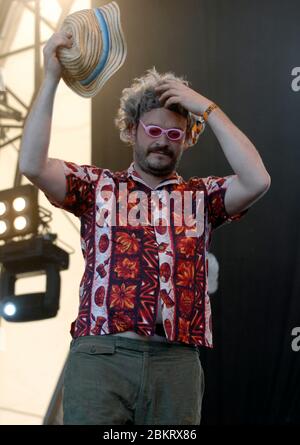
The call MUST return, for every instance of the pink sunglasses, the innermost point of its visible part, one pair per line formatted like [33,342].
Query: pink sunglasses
[174,134]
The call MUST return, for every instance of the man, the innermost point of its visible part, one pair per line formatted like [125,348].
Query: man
[144,306]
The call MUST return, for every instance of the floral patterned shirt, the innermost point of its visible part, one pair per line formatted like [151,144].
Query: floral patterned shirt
[132,269]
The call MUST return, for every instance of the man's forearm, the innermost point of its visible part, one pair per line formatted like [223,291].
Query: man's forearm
[36,135]
[239,151]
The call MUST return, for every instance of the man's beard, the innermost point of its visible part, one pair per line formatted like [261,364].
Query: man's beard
[155,164]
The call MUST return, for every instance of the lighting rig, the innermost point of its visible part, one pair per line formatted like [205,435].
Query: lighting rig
[27,248]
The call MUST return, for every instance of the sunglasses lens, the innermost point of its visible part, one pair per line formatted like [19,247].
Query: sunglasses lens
[154,131]
[174,134]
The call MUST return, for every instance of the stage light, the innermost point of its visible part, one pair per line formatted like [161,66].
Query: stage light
[3,227]
[20,223]
[29,257]
[9,309]
[3,208]
[19,204]
[21,212]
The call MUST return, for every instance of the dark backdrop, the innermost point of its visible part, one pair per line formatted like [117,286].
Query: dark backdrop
[240,54]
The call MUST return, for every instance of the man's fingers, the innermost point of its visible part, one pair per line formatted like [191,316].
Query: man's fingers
[161,86]
[58,39]
[166,94]
[167,84]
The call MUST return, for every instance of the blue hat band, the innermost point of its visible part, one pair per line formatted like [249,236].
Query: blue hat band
[105,48]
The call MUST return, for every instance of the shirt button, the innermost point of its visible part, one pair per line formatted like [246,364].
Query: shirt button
[93,349]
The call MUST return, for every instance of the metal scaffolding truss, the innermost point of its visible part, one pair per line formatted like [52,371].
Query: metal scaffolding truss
[12,117]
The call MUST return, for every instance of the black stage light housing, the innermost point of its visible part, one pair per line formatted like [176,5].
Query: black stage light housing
[19,211]
[30,257]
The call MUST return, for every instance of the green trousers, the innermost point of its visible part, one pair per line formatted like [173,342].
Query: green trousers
[112,380]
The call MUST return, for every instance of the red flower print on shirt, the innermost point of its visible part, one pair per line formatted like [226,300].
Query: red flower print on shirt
[179,230]
[187,246]
[186,274]
[178,221]
[127,268]
[180,187]
[186,302]
[122,322]
[130,184]
[184,222]
[123,296]
[183,328]
[126,243]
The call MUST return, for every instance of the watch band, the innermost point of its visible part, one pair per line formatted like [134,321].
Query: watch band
[206,113]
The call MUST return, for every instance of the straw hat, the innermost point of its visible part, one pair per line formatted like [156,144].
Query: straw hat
[99,48]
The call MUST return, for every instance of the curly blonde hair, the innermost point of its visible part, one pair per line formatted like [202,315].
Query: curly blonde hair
[141,97]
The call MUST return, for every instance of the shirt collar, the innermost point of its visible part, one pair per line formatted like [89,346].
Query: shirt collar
[174,178]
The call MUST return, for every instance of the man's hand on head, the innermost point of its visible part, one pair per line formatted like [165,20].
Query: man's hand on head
[175,92]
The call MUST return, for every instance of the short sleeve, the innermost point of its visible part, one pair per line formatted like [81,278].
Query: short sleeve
[216,187]
[81,183]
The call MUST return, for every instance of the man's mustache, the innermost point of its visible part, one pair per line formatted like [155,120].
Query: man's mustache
[164,150]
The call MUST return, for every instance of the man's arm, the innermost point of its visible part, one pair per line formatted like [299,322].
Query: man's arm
[251,179]
[46,173]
